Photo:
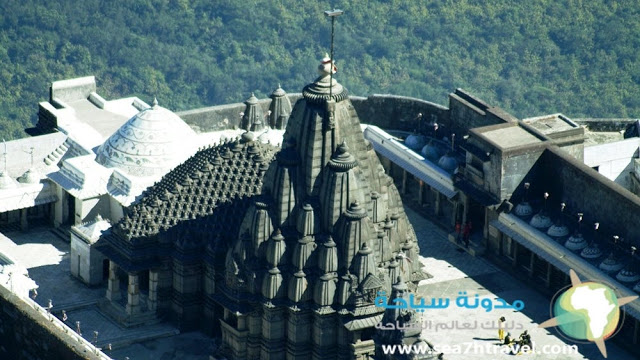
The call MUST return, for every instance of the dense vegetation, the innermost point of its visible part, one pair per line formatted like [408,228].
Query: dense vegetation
[578,57]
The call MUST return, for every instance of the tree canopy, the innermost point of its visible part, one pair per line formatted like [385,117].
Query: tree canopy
[532,58]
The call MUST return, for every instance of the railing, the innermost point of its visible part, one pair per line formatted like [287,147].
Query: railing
[59,324]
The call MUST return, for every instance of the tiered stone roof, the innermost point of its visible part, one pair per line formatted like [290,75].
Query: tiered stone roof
[195,189]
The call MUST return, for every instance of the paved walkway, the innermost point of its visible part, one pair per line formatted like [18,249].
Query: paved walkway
[454,271]
[46,257]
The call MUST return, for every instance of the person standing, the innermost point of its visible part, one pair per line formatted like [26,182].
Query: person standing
[466,233]
[501,322]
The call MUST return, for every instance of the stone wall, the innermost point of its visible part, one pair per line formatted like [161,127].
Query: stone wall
[223,117]
[384,111]
[468,112]
[515,168]
[602,124]
[583,190]
[72,89]
[27,333]
[398,112]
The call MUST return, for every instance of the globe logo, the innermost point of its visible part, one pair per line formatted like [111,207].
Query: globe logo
[587,311]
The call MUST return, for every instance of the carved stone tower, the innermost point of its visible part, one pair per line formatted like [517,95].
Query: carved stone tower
[326,234]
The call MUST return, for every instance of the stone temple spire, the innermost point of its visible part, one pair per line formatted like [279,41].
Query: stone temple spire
[280,109]
[323,238]
[252,118]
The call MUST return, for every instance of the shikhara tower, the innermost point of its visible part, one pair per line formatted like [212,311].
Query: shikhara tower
[326,234]
[280,255]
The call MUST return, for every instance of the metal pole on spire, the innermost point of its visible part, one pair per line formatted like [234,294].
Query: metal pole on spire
[5,154]
[332,14]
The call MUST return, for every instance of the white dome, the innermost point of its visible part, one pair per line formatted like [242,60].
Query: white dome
[7,182]
[150,143]
[31,176]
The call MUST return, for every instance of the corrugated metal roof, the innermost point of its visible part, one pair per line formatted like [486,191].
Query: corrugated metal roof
[561,257]
[409,160]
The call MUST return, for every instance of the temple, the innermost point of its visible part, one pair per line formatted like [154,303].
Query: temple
[269,250]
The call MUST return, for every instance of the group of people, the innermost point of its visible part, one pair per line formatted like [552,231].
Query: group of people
[506,339]
[464,232]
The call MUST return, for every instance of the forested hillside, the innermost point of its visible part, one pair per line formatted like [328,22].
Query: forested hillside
[578,57]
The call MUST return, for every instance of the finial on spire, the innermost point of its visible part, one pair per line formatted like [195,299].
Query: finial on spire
[5,154]
[155,102]
[332,14]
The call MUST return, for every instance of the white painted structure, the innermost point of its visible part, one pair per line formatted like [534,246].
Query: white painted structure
[614,160]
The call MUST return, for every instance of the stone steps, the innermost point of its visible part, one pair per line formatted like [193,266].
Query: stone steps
[138,337]
[63,232]
[475,247]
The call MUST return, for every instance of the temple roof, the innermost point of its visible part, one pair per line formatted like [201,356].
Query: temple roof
[92,230]
[195,188]
[150,143]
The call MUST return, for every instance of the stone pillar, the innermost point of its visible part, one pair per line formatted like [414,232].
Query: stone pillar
[437,210]
[24,224]
[152,302]
[133,295]
[113,284]
[273,334]
[420,193]
[255,334]
[58,207]
[324,335]
[465,209]
[52,213]
[299,335]
[404,181]
[209,311]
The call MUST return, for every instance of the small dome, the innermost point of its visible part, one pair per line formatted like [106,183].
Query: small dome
[415,141]
[432,152]
[611,264]
[591,252]
[149,144]
[448,163]
[6,182]
[31,176]
[523,209]
[628,275]
[247,137]
[541,221]
[558,230]
[576,242]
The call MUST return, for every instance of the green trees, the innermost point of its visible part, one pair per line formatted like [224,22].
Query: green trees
[532,58]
